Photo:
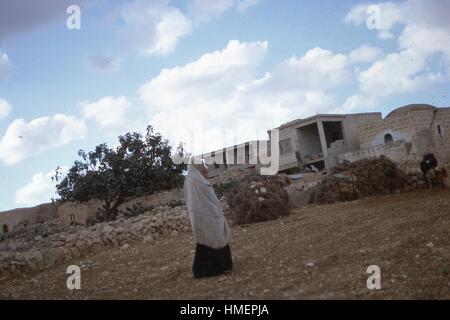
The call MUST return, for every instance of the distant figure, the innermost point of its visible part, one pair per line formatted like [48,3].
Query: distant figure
[428,163]
[211,231]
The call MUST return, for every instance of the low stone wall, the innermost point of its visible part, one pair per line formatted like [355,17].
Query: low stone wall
[397,151]
[80,212]
[47,250]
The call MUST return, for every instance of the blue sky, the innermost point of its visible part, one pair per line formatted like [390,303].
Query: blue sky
[209,73]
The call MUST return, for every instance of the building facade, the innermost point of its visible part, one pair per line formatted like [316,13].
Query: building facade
[9,220]
[239,156]
[405,135]
[309,140]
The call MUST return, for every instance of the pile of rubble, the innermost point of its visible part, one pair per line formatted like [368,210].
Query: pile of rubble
[259,198]
[47,249]
[368,177]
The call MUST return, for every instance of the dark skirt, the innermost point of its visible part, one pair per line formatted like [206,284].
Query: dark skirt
[209,262]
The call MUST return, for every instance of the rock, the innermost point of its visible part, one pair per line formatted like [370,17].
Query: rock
[108,229]
[96,247]
[50,244]
[50,257]
[430,245]
[148,239]
[75,252]
[310,265]
[105,274]
[71,237]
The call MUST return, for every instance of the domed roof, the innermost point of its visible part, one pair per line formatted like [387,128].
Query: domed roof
[412,107]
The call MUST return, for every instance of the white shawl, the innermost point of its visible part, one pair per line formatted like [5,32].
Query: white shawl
[207,220]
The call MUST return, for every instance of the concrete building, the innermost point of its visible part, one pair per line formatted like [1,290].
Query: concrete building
[239,156]
[310,139]
[404,136]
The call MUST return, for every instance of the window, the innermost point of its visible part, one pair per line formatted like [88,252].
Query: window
[388,138]
[439,129]
[285,146]
[72,217]
[5,228]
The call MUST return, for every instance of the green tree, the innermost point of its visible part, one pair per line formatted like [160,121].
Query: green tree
[137,166]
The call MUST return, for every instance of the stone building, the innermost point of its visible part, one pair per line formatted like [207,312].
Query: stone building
[235,157]
[26,216]
[405,135]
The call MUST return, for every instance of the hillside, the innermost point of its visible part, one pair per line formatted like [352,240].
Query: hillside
[316,252]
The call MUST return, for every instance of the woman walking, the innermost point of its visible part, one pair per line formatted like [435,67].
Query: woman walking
[211,231]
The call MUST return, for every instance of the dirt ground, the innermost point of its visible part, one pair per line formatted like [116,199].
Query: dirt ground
[318,252]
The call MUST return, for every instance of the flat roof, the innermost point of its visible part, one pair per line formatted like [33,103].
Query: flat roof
[317,117]
[240,145]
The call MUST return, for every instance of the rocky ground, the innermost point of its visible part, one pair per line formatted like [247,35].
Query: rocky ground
[317,252]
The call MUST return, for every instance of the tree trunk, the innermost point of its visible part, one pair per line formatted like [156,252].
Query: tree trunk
[107,207]
[111,213]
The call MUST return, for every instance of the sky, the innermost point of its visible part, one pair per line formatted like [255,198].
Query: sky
[77,73]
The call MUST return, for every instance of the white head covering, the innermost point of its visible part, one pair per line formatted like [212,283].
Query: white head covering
[207,220]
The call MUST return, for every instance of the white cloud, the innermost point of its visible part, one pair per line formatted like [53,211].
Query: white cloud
[221,94]
[25,139]
[5,108]
[387,15]
[108,112]
[425,34]
[366,53]
[5,64]
[41,189]
[206,10]
[153,28]
[243,5]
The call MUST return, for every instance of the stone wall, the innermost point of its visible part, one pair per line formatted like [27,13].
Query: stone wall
[82,211]
[418,126]
[9,220]
[45,245]
[398,151]
[337,148]
[351,128]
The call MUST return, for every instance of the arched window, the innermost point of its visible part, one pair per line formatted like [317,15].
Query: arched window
[388,138]
[5,228]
